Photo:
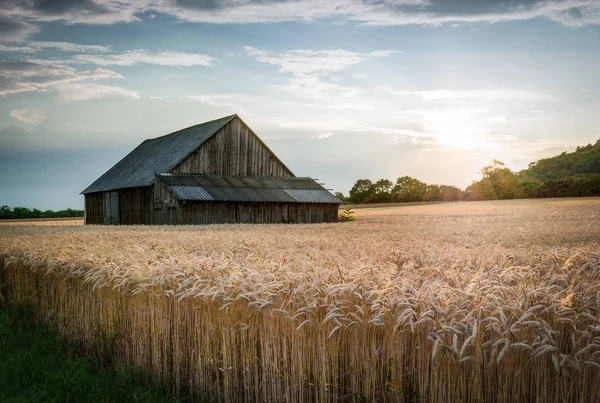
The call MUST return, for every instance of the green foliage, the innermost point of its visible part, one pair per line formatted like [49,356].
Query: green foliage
[408,189]
[451,193]
[36,366]
[362,191]
[565,175]
[340,196]
[498,182]
[347,215]
[7,213]
[584,160]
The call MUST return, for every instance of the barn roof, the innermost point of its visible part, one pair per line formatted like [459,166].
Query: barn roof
[251,189]
[160,154]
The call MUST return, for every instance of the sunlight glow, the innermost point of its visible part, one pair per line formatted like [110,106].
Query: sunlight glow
[456,129]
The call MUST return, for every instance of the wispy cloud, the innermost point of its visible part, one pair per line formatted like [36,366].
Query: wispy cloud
[36,46]
[383,12]
[31,116]
[36,75]
[310,74]
[15,30]
[70,92]
[138,56]
[323,136]
[315,62]
[231,101]
[81,11]
[481,94]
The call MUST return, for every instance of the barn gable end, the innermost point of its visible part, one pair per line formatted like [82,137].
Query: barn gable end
[233,150]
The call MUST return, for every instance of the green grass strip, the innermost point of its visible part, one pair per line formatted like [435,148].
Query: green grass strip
[37,366]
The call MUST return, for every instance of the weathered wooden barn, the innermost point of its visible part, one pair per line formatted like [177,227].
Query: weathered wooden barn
[214,172]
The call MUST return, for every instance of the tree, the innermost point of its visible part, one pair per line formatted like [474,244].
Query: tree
[432,193]
[382,191]
[362,191]
[451,193]
[497,182]
[347,215]
[340,196]
[408,189]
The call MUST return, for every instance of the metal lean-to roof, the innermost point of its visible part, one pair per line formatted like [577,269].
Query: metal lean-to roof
[160,154]
[246,189]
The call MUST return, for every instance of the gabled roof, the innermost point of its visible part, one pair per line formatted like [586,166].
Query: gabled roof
[160,154]
[251,189]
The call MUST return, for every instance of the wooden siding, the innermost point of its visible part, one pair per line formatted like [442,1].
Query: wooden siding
[111,208]
[125,206]
[135,205]
[177,213]
[94,208]
[233,150]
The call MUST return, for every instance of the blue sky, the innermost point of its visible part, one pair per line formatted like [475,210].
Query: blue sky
[339,90]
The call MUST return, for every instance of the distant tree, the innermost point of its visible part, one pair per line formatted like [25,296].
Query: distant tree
[340,196]
[451,193]
[432,193]
[362,191]
[6,212]
[382,191]
[528,187]
[584,160]
[408,189]
[497,182]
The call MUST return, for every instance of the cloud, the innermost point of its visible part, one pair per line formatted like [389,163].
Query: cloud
[14,30]
[69,92]
[224,100]
[308,61]
[75,11]
[133,57]
[36,75]
[311,72]
[480,94]
[323,136]
[360,76]
[382,12]
[371,12]
[36,46]
[31,116]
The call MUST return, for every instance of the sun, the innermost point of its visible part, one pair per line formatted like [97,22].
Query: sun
[456,129]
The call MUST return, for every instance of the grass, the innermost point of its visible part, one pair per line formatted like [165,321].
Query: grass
[37,366]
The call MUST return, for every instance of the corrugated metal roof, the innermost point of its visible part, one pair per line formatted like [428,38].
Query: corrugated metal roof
[160,154]
[190,193]
[246,189]
[312,196]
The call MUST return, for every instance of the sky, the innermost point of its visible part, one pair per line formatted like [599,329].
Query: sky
[339,90]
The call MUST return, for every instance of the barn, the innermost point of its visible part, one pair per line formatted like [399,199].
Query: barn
[215,172]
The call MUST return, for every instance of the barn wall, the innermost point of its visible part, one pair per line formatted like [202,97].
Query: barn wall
[134,206]
[233,150]
[215,213]
[94,208]
[165,205]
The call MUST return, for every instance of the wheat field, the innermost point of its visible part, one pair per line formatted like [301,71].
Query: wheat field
[461,302]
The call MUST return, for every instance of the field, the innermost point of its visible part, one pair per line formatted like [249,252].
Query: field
[474,301]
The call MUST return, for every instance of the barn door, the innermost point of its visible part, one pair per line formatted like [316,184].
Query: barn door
[111,208]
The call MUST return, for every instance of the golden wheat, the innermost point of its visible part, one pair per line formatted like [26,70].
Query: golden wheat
[475,304]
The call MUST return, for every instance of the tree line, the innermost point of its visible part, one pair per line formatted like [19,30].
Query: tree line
[7,213]
[565,175]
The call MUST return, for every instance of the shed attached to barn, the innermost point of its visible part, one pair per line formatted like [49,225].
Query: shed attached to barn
[214,172]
